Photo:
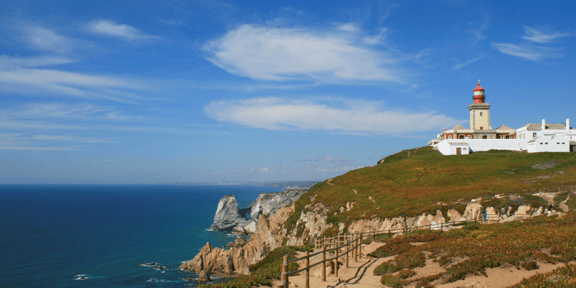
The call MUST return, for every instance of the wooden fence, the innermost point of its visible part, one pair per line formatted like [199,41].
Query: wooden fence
[353,245]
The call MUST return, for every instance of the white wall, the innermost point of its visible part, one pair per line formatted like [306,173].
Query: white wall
[448,147]
[550,144]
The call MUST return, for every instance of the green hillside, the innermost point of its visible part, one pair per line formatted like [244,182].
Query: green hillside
[423,180]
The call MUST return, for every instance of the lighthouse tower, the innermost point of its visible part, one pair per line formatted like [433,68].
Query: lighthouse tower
[479,111]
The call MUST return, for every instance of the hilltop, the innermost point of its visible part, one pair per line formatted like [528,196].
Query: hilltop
[421,180]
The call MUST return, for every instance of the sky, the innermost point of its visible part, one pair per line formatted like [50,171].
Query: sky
[144,92]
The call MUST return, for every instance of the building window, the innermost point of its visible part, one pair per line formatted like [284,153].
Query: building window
[480,113]
[461,136]
[449,136]
[540,143]
[507,137]
[534,134]
[481,127]
[484,137]
[563,143]
[546,143]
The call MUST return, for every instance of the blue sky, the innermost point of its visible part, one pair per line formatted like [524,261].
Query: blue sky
[189,91]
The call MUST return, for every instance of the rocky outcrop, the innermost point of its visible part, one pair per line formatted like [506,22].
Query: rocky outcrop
[237,259]
[268,203]
[228,215]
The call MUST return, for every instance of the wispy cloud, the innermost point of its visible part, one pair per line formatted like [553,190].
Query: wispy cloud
[539,36]
[122,31]
[279,54]
[459,66]
[85,111]
[38,61]
[44,39]
[19,74]
[352,117]
[530,52]
[479,32]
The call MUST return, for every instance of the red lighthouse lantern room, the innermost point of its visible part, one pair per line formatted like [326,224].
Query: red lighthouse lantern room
[478,94]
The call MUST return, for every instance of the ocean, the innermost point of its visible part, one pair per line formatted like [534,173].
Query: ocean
[98,235]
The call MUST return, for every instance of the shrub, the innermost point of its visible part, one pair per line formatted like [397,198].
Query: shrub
[391,281]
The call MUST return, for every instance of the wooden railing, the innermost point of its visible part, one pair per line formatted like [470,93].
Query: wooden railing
[353,245]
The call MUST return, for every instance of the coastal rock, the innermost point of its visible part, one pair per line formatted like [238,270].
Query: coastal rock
[228,215]
[204,277]
[237,259]
[251,227]
[492,215]
[268,203]
[473,211]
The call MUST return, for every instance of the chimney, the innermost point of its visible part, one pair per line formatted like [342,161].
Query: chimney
[543,125]
[568,124]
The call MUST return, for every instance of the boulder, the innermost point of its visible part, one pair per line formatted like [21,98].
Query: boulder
[250,228]
[203,276]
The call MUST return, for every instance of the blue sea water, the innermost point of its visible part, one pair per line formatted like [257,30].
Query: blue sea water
[98,235]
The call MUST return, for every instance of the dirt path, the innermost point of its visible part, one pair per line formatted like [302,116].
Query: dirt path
[358,274]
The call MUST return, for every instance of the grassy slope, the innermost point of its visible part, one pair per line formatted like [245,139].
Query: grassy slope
[414,181]
[519,244]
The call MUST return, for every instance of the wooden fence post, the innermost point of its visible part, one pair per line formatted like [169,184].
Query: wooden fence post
[307,269]
[336,263]
[347,250]
[324,263]
[284,275]
[356,250]
[389,234]
[374,235]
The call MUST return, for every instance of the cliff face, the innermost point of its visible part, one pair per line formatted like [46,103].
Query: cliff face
[228,216]
[269,203]
[271,232]
[269,235]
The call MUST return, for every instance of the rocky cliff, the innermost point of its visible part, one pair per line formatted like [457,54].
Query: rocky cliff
[229,217]
[271,231]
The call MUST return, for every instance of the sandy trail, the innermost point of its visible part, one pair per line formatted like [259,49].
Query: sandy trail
[358,274]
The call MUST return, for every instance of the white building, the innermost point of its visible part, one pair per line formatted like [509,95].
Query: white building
[531,137]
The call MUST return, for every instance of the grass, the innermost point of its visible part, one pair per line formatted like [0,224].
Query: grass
[421,180]
[478,247]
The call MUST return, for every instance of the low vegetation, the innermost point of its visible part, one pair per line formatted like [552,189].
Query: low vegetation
[421,180]
[265,271]
[474,248]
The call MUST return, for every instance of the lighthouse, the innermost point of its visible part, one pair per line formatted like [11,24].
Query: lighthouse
[479,112]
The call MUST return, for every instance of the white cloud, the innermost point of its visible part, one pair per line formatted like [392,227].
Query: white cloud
[353,117]
[66,138]
[538,36]
[279,54]
[123,31]
[530,52]
[47,40]
[14,62]
[459,66]
[17,74]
